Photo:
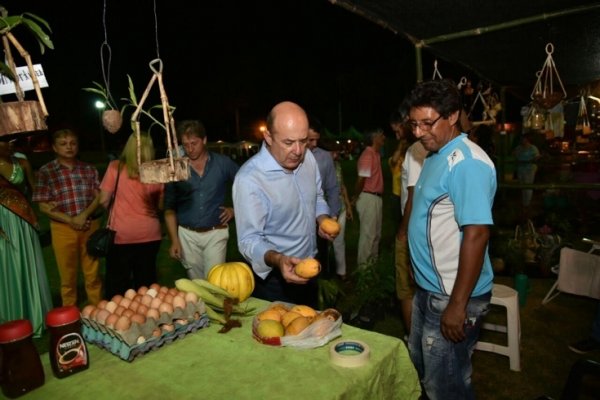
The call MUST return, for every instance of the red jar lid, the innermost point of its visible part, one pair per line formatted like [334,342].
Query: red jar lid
[15,330]
[62,316]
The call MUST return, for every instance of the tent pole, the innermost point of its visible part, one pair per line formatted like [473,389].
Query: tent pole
[507,24]
[419,61]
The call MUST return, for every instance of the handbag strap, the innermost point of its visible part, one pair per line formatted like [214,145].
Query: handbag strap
[114,195]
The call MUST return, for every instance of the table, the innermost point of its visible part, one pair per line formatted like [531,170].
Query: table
[210,365]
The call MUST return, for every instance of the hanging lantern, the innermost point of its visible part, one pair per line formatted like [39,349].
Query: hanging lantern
[535,118]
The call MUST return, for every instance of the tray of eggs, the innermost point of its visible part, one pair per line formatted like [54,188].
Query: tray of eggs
[137,322]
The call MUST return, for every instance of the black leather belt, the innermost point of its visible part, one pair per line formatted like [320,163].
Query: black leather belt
[376,194]
[202,230]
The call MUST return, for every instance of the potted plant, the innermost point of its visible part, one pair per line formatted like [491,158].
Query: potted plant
[22,116]
[112,118]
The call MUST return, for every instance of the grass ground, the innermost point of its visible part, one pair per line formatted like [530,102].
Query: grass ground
[546,330]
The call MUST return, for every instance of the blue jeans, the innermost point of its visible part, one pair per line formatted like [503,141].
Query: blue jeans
[444,367]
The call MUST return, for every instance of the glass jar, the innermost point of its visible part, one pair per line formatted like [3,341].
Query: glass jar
[20,366]
[68,352]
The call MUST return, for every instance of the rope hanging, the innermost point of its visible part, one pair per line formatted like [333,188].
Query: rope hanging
[436,72]
[169,169]
[544,93]
[111,118]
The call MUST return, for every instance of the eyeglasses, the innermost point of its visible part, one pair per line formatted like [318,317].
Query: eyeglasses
[425,126]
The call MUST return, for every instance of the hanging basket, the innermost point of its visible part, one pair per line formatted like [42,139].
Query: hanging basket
[22,116]
[175,167]
[583,121]
[548,90]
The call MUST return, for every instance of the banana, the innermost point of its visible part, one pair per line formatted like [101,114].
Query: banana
[213,299]
[209,298]
[213,288]
[215,316]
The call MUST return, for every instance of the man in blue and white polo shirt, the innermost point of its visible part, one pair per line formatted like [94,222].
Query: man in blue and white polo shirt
[448,237]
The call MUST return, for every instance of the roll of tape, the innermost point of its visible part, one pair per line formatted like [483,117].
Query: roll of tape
[349,353]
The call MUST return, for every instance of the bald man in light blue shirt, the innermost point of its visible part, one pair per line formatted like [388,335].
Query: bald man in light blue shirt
[280,199]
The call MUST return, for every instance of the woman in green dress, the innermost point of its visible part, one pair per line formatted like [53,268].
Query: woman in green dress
[24,288]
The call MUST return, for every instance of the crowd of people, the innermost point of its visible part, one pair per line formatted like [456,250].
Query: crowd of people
[443,187]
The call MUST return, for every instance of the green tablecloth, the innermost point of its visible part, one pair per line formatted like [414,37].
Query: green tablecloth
[210,365]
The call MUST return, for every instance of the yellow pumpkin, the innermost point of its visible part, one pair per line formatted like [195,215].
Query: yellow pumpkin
[235,277]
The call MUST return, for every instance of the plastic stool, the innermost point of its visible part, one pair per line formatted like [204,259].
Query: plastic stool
[507,297]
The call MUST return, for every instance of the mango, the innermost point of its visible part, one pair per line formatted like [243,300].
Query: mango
[330,226]
[307,268]
[281,308]
[271,314]
[288,317]
[268,328]
[305,311]
[297,326]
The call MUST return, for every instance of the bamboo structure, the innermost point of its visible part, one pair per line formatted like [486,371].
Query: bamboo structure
[21,116]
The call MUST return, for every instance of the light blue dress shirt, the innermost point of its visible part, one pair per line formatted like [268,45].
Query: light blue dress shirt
[277,209]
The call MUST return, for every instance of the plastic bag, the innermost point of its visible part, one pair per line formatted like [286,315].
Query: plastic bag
[317,334]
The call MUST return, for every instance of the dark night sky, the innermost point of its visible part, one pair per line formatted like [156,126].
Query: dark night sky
[225,56]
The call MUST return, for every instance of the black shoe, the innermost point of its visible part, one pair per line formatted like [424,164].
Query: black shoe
[585,346]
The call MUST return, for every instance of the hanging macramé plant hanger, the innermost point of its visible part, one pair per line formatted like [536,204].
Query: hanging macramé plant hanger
[111,118]
[171,169]
[583,120]
[465,123]
[22,116]
[545,92]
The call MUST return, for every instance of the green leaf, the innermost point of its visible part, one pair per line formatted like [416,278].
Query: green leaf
[5,70]
[8,23]
[132,91]
[154,107]
[96,91]
[40,35]
[38,19]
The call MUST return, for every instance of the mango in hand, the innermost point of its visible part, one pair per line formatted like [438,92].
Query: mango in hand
[307,268]
[330,226]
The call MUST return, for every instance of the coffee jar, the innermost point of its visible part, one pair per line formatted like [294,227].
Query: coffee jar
[68,352]
[20,366]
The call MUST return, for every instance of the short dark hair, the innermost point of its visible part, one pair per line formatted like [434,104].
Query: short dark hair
[400,114]
[370,134]
[315,124]
[192,127]
[441,95]
[396,117]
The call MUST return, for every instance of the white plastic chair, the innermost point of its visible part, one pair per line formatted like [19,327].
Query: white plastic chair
[578,273]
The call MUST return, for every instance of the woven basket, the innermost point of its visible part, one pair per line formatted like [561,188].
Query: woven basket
[160,171]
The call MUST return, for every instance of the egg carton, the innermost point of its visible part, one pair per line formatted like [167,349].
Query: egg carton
[116,342]
[141,338]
